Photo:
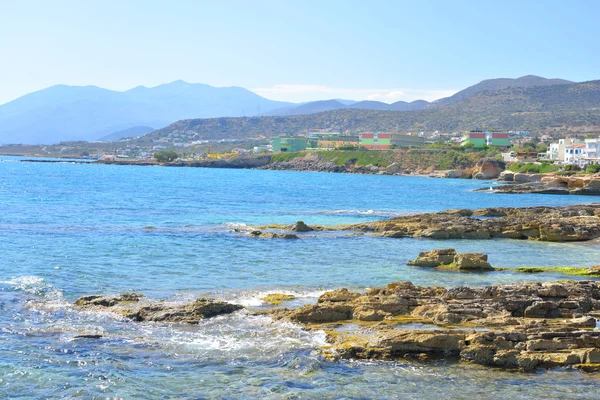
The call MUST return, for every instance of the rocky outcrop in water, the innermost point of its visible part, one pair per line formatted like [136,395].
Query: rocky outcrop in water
[553,224]
[450,259]
[521,326]
[139,308]
[550,184]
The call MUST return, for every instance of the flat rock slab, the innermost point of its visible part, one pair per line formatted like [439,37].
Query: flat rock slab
[517,326]
[139,308]
[552,224]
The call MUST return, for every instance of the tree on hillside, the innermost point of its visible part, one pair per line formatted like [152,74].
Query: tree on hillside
[165,156]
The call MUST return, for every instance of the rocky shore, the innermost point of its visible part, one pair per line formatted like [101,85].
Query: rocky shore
[549,184]
[518,326]
[551,224]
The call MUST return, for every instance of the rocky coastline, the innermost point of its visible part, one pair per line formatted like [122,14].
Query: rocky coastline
[550,224]
[521,326]
[548,184]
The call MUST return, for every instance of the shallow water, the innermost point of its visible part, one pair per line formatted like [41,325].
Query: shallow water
[72,229]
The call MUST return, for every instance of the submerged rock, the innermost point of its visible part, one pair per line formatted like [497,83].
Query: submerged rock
[518,326]
[139,308]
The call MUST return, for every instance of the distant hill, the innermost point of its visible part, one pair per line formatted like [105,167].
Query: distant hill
[516,108]
[498,84]
[127,133]
[309,108]
[61,112]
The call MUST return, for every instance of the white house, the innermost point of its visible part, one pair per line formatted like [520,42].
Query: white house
[592,148]
[567,150]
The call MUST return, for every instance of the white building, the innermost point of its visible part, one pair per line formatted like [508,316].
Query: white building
[570,151]
[592,148]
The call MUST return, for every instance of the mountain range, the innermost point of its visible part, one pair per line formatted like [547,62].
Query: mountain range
[62,113]
[512,108]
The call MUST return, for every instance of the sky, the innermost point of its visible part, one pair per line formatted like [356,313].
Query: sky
[296,50]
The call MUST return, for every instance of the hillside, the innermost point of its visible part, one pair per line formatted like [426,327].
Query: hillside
[489,84]
[498,84]
[127,133]
[61,112]
[513,108]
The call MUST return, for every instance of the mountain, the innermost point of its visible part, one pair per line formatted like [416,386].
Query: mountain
[62,112]
[514,108]
[369,105]
[490,84]
[330,105]
[127,133]
[498,84]
[309,108]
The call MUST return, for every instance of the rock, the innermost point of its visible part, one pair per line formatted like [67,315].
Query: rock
[277,298]
[521,177]
[449,259]
[507,176]
[488,168]
[139,308]
[300,226]
[595,270]
[458,174]
[472,262]
[520,325]
[328,312]
[554,224]
[270,235]
[393,168]
[434,258]
[340,295]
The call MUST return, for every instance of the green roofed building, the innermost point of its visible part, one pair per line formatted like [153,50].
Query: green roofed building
[483,138]
[290,144]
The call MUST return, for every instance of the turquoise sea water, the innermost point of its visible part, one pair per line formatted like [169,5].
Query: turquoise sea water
[72,229]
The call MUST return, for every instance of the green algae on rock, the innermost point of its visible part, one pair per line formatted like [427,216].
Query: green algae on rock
[277,298]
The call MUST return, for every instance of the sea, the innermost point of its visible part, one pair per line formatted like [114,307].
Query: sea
[70,229]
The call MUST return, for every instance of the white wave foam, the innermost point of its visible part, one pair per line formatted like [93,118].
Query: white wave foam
[237,227]
[51,297]
[241,335]
[254,299]
[375,213]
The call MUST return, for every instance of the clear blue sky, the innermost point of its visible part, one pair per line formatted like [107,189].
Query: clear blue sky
[295,50]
